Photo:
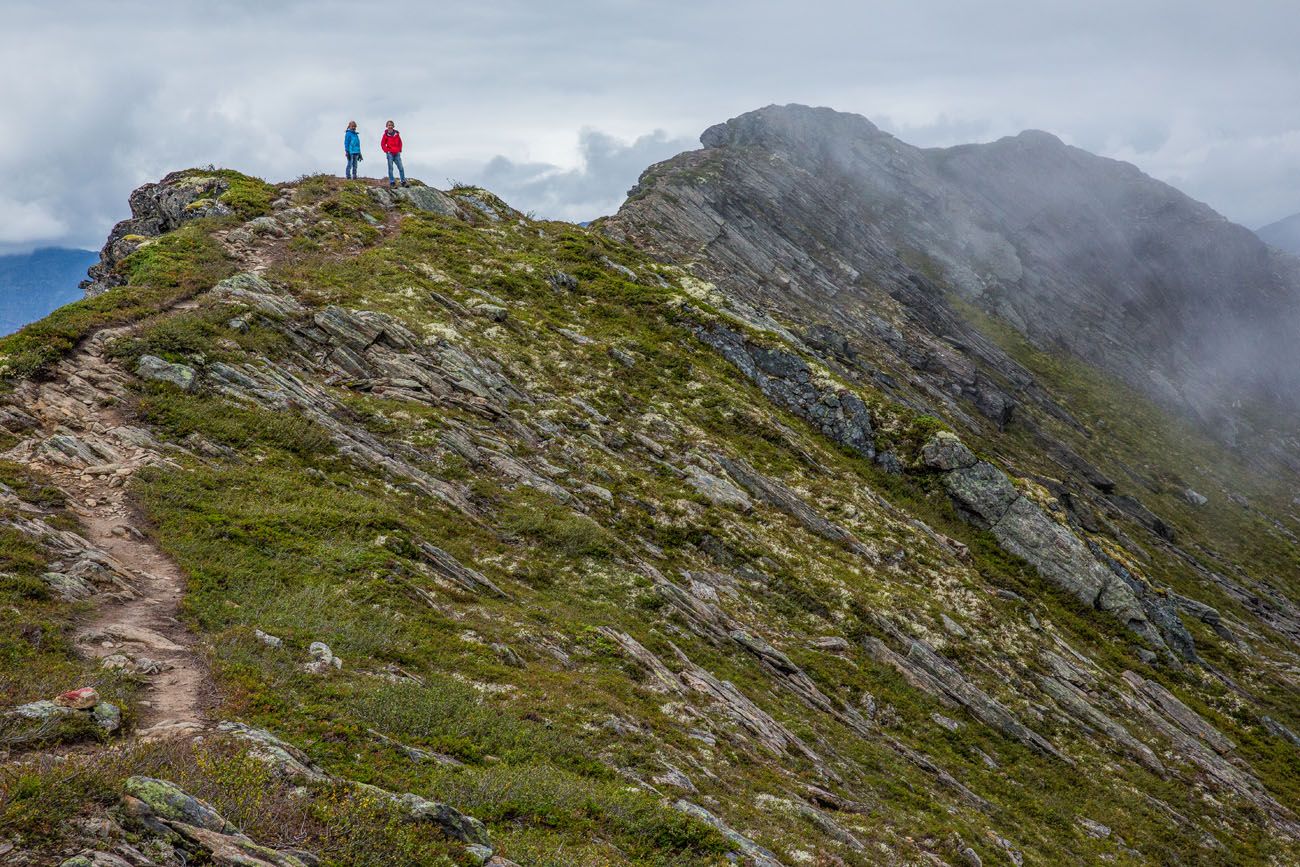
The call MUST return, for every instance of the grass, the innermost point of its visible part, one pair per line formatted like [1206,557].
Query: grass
[248,196]
[37,656]
[342,826]
[289,536]
[170,269]
[535,517]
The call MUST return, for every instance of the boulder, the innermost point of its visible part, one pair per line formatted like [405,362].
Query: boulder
[322,659]
[253,291]
[491,312]
[267,226]
[418,196]
[117,662]
[717,491]
[267,639]
[67,586]
[287,760]
[78,699]
[168,801]
[196,831]
[108,716]
[154,368]
[945,451]
[982,492]
[40,710]
[448,819]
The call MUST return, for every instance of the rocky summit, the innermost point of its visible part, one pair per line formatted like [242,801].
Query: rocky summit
[823,215]
[836,502]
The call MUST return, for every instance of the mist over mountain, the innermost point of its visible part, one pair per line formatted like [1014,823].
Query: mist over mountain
[808,209]
[33,284]
[1283,234]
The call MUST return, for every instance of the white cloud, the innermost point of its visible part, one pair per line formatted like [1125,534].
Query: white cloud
[101,98]
[607,168]
[27,224]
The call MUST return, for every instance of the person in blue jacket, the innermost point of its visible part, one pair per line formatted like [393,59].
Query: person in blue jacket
[352,149]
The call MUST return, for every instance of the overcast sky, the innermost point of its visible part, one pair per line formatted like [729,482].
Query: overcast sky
[558,105]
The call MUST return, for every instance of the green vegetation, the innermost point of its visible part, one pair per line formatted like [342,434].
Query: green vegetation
[249,197]
[519,709]
[37,659]
[159,274]
[344,826]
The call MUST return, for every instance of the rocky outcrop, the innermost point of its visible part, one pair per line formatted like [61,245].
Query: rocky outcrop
[451,569]
[1074,702]
[790,382]
[753,853]
[191,826]
[291,763]
[418,196]
[180,375]
[287,760]
[812,211]
[986,496]
[931,673]
[555,455]
[70,716]
[155,209]
[783,499]
[1195,740]
[732,702]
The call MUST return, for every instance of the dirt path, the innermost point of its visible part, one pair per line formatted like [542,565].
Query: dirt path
[147,628]
[87,448]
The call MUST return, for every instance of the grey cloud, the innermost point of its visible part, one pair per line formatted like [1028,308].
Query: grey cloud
[100,98]
[608,167]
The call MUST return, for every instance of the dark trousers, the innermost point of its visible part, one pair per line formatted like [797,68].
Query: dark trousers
[351,171]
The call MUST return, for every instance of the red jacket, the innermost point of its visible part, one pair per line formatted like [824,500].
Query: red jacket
[391,142]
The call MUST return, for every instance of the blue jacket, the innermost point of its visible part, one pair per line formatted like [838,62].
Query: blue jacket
[351,142]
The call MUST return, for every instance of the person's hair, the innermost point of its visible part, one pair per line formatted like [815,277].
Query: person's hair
[390,122]
[352,123]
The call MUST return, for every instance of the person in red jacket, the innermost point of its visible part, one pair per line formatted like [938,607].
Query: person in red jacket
[391,144]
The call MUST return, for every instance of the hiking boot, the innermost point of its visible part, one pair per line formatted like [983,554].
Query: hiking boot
[405,184]
[391,184]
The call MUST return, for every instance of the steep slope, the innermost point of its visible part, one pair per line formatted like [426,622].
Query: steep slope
[1284,234]
[809,208]
[33,284]
[486,519]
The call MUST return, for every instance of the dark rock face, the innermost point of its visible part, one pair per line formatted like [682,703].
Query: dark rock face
[814,212]
[155,209]
[788,380]
[985,496]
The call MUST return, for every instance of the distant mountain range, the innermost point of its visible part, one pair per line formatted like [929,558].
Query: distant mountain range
[33,284]
[1284,234]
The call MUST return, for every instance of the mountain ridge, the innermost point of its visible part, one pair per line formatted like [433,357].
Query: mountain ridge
[1284,234]
[502,541]
[995,224]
